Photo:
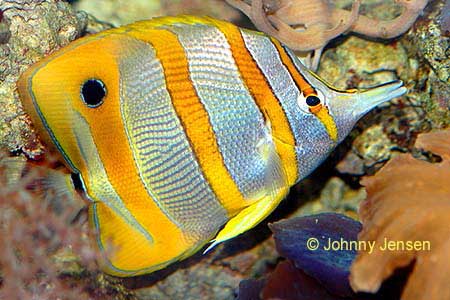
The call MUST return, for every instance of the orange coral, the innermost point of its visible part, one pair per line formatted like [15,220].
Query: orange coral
[408,200]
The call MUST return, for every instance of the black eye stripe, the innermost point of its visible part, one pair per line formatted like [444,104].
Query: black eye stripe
[93,92]
[312,100]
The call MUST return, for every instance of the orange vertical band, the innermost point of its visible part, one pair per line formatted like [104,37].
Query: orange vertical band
[193,116]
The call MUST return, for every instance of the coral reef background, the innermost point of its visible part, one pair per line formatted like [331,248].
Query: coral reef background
[30,29]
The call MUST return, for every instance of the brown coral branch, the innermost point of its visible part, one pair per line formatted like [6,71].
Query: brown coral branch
[317,32]
[321,22]
[308,40]
[344,26]
[259,18]
[241,5]
[304,12]
[392,28]
[315,36]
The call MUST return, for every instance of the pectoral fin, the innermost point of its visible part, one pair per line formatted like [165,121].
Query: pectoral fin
[276,188]
[248,218]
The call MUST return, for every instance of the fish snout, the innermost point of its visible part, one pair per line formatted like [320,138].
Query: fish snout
[350,106]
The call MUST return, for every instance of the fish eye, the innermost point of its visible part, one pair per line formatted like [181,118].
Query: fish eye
[312,100]
[93,92]
[311,103]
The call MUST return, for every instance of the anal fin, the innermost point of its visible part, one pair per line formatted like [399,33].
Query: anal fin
[126,250]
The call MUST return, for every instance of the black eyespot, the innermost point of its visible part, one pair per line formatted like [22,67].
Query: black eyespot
[312,100]
[93,92]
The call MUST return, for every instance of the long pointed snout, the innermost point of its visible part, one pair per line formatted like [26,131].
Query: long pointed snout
[368,99]
[348,107]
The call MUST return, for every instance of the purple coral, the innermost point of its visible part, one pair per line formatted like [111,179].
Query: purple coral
[294,238]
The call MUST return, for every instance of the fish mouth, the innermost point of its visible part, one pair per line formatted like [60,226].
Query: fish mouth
[350,106]
[356,103]
[368,99]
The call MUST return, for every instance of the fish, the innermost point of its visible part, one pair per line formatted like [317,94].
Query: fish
[184,131]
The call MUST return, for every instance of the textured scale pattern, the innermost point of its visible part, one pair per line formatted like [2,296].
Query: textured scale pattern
[282,85]
[167,165]
[184,131]
[234,116]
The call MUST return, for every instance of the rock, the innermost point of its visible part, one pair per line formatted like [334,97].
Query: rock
[334,196]
[30,30]
[431,46]
[369,150]
[119,12]
[36,28]
[359,63]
